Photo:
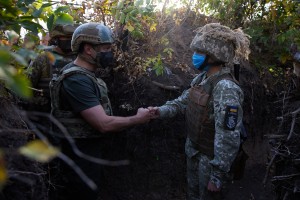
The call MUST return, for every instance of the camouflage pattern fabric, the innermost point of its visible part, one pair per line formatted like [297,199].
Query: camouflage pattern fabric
[40,72]
[39,68]
[62,30]
[47,64]
[92,33]
[202,169]
[221,43]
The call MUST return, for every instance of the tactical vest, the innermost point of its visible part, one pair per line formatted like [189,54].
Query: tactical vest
[76,126]
[201,126]
[53,70]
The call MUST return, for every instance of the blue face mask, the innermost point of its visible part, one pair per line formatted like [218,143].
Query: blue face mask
[198,60]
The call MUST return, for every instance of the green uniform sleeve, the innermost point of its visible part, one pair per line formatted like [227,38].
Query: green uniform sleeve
[80,92]
[227,142]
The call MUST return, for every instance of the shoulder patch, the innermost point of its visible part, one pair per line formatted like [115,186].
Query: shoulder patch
[231,116]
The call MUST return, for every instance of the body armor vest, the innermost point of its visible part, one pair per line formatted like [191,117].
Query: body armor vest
[53,70]
[201,126]
[76,126]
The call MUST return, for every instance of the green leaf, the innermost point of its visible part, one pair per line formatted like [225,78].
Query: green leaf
[31,26]
[130,28]
[6,3]
[117,15]
[24,9]
[159,71]
[37,13]
[134,19]
[61,9]
[137,33]
[20,85]
[16,81]
[47,5]
[138,3]
[16,28]
[18,58]
[128,9]
[64,19]
[120,5]
[122,18]
[134,12]
[28,18]
[50,22]
[126,19]
[113,11]
[39,151]
[27,2]
[5,58]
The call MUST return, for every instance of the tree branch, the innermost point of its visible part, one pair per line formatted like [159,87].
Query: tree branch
[284,177]
[167,87]
[268,168]
[73,145]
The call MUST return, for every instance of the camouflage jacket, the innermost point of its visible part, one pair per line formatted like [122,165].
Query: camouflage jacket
[41,69]
[40,72]
[227,143]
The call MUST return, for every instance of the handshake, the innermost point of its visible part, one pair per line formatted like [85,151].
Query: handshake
[144,115]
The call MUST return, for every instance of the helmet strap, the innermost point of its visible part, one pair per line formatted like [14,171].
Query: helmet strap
[204,64]
[217,63]
[214,63]
[87,58]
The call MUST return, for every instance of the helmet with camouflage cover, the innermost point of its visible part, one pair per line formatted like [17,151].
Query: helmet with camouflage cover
[92,33]
[62,30]
[221,43]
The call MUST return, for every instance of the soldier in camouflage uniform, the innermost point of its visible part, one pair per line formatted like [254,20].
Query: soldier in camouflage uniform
[213,109]
[80,102]
[41,70]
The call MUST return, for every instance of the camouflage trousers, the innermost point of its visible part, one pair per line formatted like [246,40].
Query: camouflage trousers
[198,175]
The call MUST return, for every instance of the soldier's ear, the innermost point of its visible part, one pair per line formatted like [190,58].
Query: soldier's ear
[88,49]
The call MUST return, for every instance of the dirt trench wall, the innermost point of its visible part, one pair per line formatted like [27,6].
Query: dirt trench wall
[27,179]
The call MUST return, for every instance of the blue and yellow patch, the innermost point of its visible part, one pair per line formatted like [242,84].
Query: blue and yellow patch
[231,116]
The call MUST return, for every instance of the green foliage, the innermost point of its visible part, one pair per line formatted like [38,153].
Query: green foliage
[169,52]
[27,14]
[156,63]
[275,71]
[133,16]
[13,76]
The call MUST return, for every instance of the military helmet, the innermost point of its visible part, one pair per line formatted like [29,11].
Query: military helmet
[92,33]
[221,43]
[62,30]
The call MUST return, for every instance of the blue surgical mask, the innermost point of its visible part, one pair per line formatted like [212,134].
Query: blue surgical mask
[198,60]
